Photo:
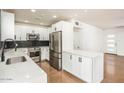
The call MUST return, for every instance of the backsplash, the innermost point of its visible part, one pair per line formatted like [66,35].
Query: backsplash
[26,44]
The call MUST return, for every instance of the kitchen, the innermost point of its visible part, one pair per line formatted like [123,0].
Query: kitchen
[55,48]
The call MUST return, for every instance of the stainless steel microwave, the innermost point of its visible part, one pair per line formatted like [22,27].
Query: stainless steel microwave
[31,36]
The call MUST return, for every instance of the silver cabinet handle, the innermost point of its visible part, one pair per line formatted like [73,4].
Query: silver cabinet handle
[55,28]
[80,59]
[70,57]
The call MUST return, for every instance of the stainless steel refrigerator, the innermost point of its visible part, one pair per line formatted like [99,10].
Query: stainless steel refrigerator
[56,50]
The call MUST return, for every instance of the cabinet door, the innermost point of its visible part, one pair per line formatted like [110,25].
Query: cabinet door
[53,28]
[17,33]
[42,34]
[86,73]
[7,25]
[77,65]
[57,27]
[47,53]
[44,53]
[67,62]
[47,34]
[67,36]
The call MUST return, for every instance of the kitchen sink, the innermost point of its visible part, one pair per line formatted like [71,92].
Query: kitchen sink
[15,60]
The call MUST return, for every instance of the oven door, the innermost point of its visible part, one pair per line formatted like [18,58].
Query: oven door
[35,54]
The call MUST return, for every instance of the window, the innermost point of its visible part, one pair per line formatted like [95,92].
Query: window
[111,36]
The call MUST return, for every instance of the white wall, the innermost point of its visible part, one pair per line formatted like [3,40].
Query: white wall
[89,38]
[77,38]
[119,33]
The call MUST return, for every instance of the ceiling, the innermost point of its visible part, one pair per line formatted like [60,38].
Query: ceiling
[103,18]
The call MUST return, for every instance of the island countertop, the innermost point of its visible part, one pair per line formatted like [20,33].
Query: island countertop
[27,71]
[84,53]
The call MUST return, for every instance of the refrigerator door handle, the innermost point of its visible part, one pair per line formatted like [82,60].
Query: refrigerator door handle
[52,41]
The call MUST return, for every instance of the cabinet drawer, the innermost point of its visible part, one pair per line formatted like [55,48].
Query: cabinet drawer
[58,28]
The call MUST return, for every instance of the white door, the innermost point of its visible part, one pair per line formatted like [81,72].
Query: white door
[111,43]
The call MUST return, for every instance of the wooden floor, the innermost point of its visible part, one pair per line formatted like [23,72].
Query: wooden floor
[113,71]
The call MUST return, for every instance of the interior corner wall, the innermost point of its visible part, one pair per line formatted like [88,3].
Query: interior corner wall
[89,38]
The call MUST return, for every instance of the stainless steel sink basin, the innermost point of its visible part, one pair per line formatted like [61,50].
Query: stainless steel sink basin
[15,60]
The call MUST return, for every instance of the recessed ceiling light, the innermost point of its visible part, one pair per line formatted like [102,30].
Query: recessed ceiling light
[33,10]
[85,10]
[41,23]
[26,21]
[54,16]
[75,15]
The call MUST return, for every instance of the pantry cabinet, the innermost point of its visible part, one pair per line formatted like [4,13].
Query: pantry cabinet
[7,25]
[67,34]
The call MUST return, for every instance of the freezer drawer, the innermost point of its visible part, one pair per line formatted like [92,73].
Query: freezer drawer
[56,63]
[55,54]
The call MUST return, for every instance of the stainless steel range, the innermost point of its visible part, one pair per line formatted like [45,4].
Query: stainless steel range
[35,54]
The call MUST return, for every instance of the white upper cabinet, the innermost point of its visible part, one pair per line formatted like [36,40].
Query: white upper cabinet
[67,34]
[57,26]
[21,30]
[7,25]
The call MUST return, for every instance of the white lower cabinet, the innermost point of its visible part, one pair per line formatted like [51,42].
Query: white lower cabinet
[86,74]
[77,66]
[83,67]
[44,53]
[67,62]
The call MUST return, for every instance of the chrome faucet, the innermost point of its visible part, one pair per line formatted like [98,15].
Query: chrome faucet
[3,47]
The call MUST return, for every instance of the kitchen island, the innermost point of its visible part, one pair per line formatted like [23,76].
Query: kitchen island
[27,71]
[86,65]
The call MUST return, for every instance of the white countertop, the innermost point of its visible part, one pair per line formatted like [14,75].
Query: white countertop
[21,72]
[84,53]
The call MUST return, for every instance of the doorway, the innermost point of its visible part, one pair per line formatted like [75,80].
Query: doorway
[111,43]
